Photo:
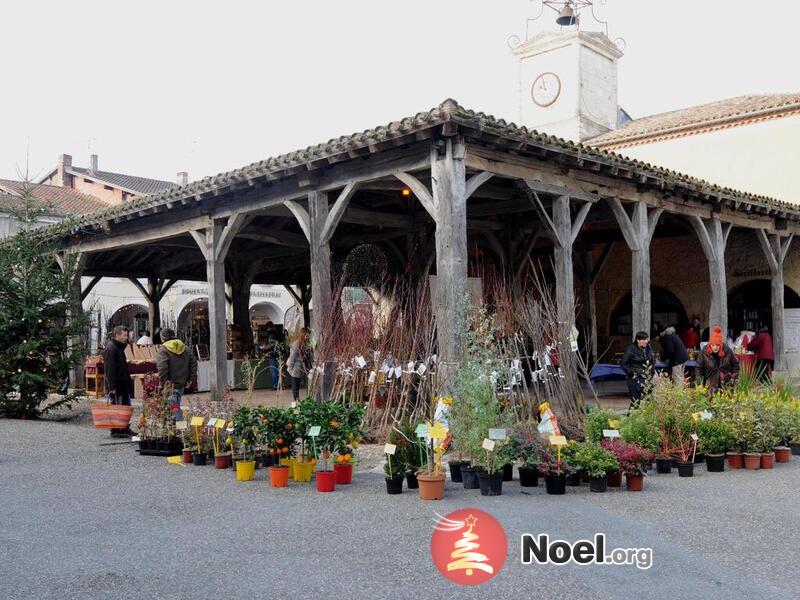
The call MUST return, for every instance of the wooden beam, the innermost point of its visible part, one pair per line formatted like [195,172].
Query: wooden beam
[337,211]
[420,191]
[89,287]
[301,214]
[149,235]
[476,181]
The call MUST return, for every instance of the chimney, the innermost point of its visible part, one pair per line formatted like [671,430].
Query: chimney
[182,178]
[63,178]
[93,163]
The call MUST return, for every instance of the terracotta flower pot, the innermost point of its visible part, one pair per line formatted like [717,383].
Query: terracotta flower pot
[634,483]
[278,477]
[615,478]
[222,461]
[735,460]
[344,473]
[326,481]
[752,460]
[767,460]
[783,454]
[431,487]
[187,456]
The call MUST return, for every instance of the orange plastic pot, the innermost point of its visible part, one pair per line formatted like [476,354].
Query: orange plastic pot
[767,460]
[278,477]
[735,460]
[752,461]
[634,483]
[783,454]
[431,487]
[344,473]
[326,481]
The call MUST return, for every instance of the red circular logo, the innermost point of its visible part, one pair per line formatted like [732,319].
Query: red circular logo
[468,546]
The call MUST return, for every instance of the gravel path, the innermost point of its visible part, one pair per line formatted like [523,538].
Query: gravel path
[85,518]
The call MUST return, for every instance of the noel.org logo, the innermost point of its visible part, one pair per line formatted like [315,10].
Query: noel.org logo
[468,546]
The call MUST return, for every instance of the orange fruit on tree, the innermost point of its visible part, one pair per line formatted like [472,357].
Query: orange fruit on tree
[284,450]
[347,458]
[272,451]
[340,458]
[335,424]
[326,454]
[279,441]
[289,426]
[313,462]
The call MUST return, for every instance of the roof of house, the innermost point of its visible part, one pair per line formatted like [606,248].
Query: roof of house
[61,201]
[698,119]
[130,183]
[504,133]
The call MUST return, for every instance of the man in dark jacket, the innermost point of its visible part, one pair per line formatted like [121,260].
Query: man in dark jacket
[673,352]
[637,362]
[118,386]
[176,365]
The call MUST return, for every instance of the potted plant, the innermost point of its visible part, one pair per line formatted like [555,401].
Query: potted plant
[596,421]
[247,430]
[632,458]
[222,458]
[573,469]
[394,467]
[782,431]
[278,440]
[526,449]
[596,462]
[715,439]
[349,429]
[765,432]
[430,476]
[494,459]
[554,472]
[326,419]
[747,438]
[304,462]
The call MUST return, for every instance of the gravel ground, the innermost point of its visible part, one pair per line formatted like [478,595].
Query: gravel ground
[86,518]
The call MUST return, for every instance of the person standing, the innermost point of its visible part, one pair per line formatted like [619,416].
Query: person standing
[638,362]
[717,365]
[145,340]
[674,354]
[176,365]
[117,377]
[691,335]
[761,346]
[296,364]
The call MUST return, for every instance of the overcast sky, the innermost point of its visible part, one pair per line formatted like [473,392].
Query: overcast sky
[159,87]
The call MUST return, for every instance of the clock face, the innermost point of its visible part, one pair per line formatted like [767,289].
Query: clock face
[546,89]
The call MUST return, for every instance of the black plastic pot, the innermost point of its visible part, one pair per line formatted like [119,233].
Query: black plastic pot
[574,479]
[394,485]
[699,458]
[199,459]
[491,485]
[663,465]
[556,484]
[455,470]
[411,479]
[508,472]
[795,449]
[715,463]
[163,445]
[528,476]
[469,476]
[142,445]
[598,484]
[686,469]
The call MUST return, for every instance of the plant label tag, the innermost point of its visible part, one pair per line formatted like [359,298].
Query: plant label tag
[421,430]
[613,423]
[498,434]
[706,415]
[695,416]
[293,405]
[230,429]
[220,424]
[437,432]
[433,359]
[136,438]
[181,425]
[398,372]
[372,377]
[611,433]
[694,437]
[574,345]
[389,449]
[410,365]
[212,422]
[558,440]
[361,362]
[314,431]
[197,421]
[488,444]
[421,369]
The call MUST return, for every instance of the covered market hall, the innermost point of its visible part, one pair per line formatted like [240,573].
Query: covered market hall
[440,192]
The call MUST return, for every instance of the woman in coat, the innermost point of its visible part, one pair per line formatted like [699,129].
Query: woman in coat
[717,365]
[296,364]
[761,346]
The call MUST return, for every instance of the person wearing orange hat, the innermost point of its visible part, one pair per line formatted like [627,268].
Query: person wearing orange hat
[717,365]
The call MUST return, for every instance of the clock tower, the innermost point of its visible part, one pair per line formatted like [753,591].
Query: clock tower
[568,83]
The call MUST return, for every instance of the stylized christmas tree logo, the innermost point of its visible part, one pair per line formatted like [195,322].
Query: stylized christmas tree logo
[464,554]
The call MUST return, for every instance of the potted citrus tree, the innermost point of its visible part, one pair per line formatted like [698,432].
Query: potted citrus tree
[278,440]
[349,428]
[247,429]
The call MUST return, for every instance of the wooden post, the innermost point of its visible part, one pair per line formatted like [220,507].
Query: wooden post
[75,311]
[241,281]
[638,230]
[713,236]
[153,305]
[320,269]
[775,249]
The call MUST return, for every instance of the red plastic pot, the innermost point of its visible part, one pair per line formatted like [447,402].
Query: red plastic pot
[752,460]
[767,460]
[278,477]
[344,473]
[783,454]
[735,460]
[187,456]
[634,483]
[326,481]
[222,461]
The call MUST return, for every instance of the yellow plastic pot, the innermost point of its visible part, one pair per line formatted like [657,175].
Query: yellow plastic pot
[303,471]
[245,470]
[288,462]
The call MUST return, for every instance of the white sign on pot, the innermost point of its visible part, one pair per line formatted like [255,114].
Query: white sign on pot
[498,434]
[611,433]
[314,430]
[389,449]
[421,430]
[488,444]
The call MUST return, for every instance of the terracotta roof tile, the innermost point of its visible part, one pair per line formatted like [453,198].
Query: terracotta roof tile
[684,121]
[62,201]
[139,185]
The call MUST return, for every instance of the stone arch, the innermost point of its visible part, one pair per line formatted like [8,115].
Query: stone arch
[667,309]
[750,306]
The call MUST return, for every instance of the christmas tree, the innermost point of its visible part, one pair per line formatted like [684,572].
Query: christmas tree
[464,553]
[38,333]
